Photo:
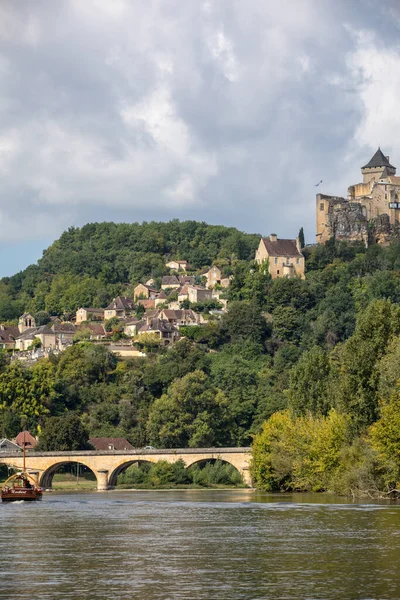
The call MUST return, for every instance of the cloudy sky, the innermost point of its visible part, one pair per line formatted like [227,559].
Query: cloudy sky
[227,111]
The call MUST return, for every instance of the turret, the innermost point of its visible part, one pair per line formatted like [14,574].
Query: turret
[377,166]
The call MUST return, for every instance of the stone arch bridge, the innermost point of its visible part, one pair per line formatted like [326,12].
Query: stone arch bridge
[107,465]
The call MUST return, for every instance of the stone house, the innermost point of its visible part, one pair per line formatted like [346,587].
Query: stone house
[97,331]
[120,307]
[43,333]
[177,265]
[183,294]
[198,294]
[180,317]
[170,282]
[187,279]
[284,257]
[213,276]
[143,291]
[131,326]
[89,314]
[8,336]
[148,304]
[167,333]
[65,333]
[161,298]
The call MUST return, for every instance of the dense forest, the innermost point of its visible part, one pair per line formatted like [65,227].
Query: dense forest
[306,370]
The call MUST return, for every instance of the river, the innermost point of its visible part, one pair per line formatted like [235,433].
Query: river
[192,545]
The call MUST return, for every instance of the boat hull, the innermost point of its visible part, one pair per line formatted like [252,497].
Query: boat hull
[18,495]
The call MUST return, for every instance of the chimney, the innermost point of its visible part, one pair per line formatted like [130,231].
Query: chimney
[298,246]
[273,237]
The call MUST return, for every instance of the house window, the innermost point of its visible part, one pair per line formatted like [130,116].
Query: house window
[297,261]
[277,272]
[322,206]
[111,447]
[276,261]
[385,196]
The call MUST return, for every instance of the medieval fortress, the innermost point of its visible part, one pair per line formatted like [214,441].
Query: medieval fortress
[371,210]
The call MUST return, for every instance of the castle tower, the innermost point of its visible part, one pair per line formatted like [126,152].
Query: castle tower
[378,165]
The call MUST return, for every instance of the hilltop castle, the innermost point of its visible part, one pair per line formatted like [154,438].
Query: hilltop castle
[372,208]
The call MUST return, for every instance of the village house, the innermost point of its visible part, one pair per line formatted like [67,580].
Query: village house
[43,333]
[96,330]
[104,443]
[187,279]
[177,265]
[132,326]
[89,314]
[215,276]
[170,282]
[144,292]
[167,333]
[24,438]
[8,335]
[8,446]
[183,294]
[198,294]
[284,257]
[64,333]
[148,304]
[120,307]
[161,298]
[180,317]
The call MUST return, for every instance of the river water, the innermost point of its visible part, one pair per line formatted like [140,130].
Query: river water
[194,545]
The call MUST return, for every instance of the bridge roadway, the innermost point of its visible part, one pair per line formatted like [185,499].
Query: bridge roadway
[107,465]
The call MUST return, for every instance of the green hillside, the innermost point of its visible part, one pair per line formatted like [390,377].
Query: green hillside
[309,367]
[89,266]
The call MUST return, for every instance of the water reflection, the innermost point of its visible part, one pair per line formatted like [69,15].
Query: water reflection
[200,545]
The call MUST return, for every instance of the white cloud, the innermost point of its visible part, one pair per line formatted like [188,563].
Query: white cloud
[223,111]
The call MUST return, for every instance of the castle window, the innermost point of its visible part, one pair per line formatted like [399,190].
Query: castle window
[385,196]
[321,206]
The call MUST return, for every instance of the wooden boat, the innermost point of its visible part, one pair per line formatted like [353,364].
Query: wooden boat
[21,486]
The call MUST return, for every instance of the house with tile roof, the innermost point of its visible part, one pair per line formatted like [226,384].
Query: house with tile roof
[167,332]
[8,335]
[24,438]
[178,265]
[47,337]
[170,282]
[120,307]
[89,314]
[104,443]
[144,292]
[283,257]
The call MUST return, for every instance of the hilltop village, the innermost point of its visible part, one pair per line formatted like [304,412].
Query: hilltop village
[156,315]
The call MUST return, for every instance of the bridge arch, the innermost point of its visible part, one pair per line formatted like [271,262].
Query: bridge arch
[112,479]
[46,477]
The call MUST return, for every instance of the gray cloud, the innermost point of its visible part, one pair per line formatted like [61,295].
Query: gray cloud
[222,110]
